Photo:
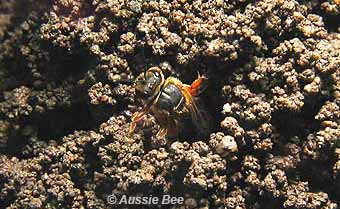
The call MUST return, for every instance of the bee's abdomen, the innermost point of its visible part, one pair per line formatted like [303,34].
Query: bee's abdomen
[171,98]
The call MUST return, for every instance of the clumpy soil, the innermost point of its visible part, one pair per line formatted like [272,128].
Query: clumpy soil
[273,98]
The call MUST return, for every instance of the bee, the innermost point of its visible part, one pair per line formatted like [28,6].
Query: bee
[169,100]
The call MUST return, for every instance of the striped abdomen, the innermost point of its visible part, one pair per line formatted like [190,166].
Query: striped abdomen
[171,99]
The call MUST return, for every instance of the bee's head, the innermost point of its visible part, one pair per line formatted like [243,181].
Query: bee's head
[148,83]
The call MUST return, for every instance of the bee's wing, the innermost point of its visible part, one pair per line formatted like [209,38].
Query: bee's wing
[199,116]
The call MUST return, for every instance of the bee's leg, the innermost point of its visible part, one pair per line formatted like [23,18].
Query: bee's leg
[137,116]
[197,86]
[163,123]
[169,129]
[162,132]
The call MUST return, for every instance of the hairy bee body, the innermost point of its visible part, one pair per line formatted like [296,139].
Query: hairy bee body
[169,100]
